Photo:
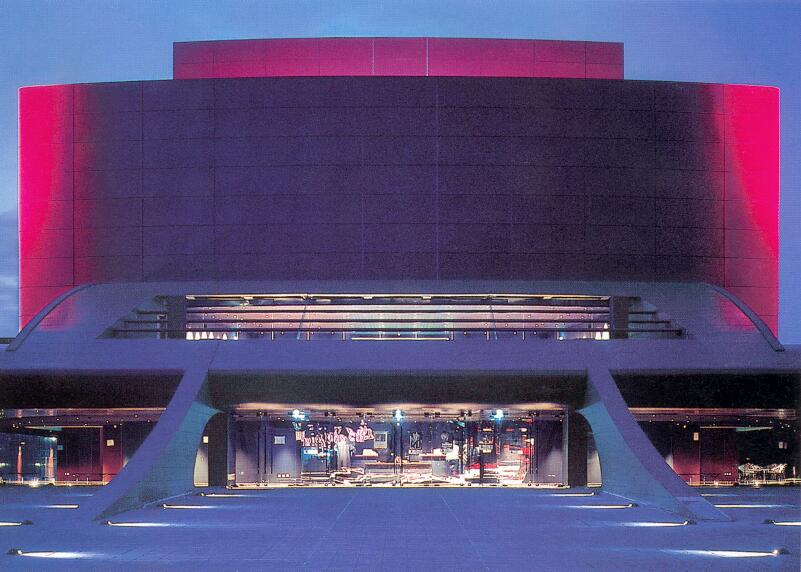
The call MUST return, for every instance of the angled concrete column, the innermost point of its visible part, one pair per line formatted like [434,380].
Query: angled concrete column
[163,466]
[630,465]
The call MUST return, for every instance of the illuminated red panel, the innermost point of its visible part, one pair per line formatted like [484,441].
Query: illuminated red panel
[454,57]
[40,243]
[292,49]
[400,56]
[49,215]
[507,58]
[46,168]
[559,51]
[33,299]
[740,188]
[239,51]
[346,56]
[559,69]
[750,235]
[752,159]
[752,272]
[193,52]
[608,53]
[192,71]
[47,271]
[763,301]
[751,142]
[604,71]
[239,69]
[45,114]
[46,193]
[300,57]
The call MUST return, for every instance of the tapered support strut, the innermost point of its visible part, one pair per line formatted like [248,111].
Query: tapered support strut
[163,466]
[630,465]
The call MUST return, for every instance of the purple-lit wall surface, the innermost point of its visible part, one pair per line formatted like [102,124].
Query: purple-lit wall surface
[399,177]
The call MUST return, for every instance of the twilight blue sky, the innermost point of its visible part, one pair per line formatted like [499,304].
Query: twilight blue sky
[52,41]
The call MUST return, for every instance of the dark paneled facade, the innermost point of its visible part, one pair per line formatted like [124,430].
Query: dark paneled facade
[392,178]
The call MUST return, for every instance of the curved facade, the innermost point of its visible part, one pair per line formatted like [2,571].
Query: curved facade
[551,258]
[399,178]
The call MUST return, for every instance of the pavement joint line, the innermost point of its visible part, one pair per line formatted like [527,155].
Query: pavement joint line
[464,531]
[329,529]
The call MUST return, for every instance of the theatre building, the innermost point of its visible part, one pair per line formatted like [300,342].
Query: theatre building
[399,262]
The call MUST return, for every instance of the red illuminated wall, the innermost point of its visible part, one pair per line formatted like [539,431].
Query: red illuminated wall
[397,57]
[46,196]
[399,178]
[750,126]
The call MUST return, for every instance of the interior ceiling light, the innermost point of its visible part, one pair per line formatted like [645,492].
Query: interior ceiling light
[17,523]
[61,506]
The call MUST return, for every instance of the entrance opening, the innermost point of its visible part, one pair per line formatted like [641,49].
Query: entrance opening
[397,446]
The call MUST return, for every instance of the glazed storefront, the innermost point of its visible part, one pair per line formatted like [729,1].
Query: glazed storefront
[396,447]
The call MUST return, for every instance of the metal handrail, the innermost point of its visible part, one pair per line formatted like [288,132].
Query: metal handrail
[677,331]
[422,310]
[43,313]
[760,324]
[393,321]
